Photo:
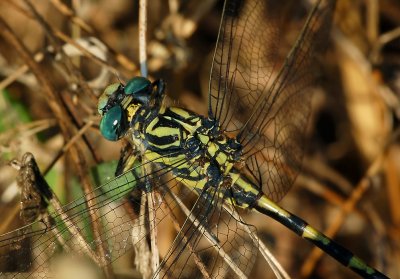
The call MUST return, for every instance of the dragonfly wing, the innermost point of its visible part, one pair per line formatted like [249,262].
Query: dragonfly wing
[261,96]
[68,229]
[243,37]
[211,243]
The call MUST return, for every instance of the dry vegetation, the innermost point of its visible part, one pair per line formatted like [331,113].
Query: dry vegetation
[350,186]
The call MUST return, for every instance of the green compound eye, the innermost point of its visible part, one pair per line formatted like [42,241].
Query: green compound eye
[104,97]
[136,85]
[111,125]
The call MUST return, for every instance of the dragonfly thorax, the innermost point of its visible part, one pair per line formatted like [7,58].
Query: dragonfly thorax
[192,146]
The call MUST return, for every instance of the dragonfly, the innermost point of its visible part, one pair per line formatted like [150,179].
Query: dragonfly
[233,159]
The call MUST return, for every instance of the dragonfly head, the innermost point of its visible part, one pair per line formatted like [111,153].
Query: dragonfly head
[119,103]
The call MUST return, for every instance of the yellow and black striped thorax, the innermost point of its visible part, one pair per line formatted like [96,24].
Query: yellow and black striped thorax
[192,146]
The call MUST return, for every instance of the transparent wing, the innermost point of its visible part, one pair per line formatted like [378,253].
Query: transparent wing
[126,214]
[70,228]
[210,243]
[261,96]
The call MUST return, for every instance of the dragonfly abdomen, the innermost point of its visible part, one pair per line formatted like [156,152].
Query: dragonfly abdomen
[246,194]
[302,228]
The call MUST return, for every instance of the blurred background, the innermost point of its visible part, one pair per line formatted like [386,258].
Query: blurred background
[350,184]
